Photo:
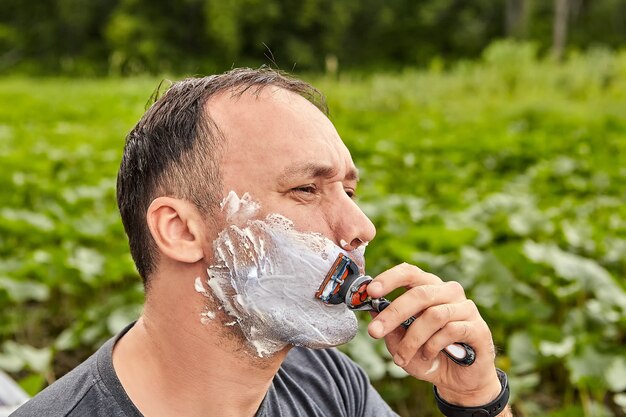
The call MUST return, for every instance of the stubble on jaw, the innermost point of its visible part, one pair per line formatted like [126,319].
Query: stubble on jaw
[227,335]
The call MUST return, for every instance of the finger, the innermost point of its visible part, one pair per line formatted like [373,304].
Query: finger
[430,322]
[414,302]
[403,275]
[393,339]
[474,333]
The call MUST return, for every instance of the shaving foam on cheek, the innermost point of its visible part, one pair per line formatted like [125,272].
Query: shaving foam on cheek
[266,274]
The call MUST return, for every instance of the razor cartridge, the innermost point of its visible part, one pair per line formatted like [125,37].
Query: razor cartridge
[332,290]
[344,284]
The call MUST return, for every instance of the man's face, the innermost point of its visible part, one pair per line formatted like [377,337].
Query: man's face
[283,151]
[284,154]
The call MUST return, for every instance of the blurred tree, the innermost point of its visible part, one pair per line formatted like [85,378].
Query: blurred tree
[598,22]
[559,37]
[516,17]
[54,36]
[199,36]
[155,36]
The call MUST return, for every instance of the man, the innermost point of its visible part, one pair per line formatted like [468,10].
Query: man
[259,134]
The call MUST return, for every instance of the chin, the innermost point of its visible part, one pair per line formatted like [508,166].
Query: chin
[326,335]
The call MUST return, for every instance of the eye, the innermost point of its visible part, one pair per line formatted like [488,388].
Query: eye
[305,189]
[350,192]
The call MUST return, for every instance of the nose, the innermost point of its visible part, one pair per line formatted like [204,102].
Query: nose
[352,227]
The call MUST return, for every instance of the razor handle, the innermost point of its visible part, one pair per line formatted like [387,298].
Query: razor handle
[460,353]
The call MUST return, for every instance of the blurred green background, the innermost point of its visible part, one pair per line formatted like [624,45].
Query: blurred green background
[491,137]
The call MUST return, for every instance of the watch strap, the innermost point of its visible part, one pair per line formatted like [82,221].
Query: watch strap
[488,410]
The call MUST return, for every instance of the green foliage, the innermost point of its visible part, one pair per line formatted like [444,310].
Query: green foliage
[505,174]
[508,176]
[66,278]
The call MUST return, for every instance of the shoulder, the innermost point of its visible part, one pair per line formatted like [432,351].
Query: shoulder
[89,390]
[63,396]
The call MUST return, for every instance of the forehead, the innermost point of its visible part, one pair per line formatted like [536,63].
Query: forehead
[272,130]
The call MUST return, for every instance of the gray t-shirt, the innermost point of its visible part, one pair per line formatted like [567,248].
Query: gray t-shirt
[309,383]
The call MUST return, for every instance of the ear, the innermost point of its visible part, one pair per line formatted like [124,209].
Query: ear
[177,228]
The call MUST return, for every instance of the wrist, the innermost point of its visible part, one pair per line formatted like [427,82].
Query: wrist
[491,408]
[473,398]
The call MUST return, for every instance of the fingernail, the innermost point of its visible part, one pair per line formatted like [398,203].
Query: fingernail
[376,287]
[376,328]
[398,359]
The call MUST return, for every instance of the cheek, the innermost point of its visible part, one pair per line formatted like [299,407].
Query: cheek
[308,217]
[311,219]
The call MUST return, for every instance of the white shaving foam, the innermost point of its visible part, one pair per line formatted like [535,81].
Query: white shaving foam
[206,316]
[266,274]
[198,286]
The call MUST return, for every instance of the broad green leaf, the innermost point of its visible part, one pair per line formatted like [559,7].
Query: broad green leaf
[522,353]
[122,317]
[88,261]
[578,269]
[620,400]
[590,365]
[11,362]
[37,360]
[21,291]
[616,374]
[68,339]
[38,221]
[558,349]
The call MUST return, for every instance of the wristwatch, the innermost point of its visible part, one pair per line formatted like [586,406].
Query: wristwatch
[488,410]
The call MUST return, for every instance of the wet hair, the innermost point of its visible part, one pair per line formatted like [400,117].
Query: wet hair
[175,150]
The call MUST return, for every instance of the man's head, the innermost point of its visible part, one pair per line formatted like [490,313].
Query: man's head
[253,132]
[176,148]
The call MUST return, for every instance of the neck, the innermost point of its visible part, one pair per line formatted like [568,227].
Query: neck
[192,369]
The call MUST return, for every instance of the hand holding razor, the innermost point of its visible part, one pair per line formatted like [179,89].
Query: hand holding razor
[344,284]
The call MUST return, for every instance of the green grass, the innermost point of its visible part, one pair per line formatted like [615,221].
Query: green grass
[505,174]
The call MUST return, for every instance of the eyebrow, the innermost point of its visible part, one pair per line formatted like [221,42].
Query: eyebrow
[315,170]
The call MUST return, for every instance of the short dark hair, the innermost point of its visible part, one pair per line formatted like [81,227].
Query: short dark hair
[175,149]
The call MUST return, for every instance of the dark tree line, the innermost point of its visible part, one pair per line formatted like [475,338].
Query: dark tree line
[128,36]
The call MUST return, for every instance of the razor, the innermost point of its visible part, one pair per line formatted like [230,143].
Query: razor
[344,284]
